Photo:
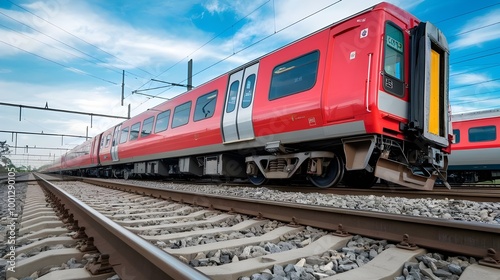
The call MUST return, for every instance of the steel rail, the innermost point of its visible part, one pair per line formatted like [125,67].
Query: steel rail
[466,238]
[483,195]
[131,256]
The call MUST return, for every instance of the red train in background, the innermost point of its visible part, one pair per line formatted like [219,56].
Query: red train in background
[364,98]
[475,153]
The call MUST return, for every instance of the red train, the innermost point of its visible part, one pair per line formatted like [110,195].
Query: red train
[476,147]
[365,97]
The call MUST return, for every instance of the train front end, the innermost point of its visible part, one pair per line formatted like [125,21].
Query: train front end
[427,130]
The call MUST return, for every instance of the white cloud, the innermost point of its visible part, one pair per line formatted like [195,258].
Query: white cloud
[473,92]
[214,7]
[470,78]
[472,32]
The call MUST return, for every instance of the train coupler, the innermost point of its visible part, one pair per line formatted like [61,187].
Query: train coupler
[398,173]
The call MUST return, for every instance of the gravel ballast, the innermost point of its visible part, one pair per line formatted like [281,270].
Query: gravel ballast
[449,209]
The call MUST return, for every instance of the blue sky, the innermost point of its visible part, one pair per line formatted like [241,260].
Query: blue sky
[70,54]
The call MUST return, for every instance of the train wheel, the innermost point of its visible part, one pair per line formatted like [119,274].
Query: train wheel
[258,179]
[360,179]
[331,176]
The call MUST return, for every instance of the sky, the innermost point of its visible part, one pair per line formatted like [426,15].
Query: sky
[71,55]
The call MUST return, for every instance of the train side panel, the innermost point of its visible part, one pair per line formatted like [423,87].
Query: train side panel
[293,111]
[182,136]
[476,148]
[80,158]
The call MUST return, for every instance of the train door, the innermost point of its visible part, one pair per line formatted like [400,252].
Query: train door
[347,73]
[94,150]
[114,143]
[237,117]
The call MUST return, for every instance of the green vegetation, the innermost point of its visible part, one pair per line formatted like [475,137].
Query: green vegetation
[5,162]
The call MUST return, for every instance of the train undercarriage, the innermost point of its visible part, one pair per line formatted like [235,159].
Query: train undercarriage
[356,161]
[463,177]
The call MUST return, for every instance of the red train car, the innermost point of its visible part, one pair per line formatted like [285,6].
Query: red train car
[81,159]
[365,97]
[475,153]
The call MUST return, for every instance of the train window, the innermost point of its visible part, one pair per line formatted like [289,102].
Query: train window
[205,106]
[456,136]
[108,139]
[393,60]
[233,94]
[86,148]
[124,135]
[482,133]
[294,76]
[248,91]
[134,131]
[102,142]
[147,126]
[393,79]
[162,121]
[181,114]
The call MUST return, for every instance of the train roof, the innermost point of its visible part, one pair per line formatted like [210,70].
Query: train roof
[493,113]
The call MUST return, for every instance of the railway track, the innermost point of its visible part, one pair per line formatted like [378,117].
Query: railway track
[471,192]
[44,242]
[162,218]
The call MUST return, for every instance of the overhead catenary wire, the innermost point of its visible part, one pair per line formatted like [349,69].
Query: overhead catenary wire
[60,49]
[475,100]
[257,42]
[467,13]
[475,29]
[254,10]
[67,45]
[277,31]
[79,38]
[207,42]
[60,64]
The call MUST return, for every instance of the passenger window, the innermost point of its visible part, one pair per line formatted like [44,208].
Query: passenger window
[108,140]
[482,133]
[294,76]
[181,114]
[124,135]
[205,106]
[456,136]
[86,149]
[134,131]
[233,92]
[102,142]
[248,91]
[162,121]
[147,126]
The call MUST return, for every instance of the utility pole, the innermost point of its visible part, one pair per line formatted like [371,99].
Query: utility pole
[123,86]
[190,75]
